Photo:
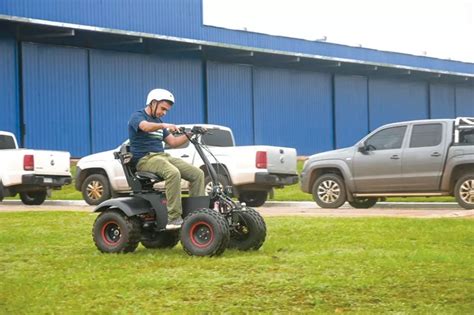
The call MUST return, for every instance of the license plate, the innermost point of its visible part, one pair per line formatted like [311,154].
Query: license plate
[48,180]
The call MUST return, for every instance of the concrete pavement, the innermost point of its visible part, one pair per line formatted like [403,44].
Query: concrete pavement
[276,208]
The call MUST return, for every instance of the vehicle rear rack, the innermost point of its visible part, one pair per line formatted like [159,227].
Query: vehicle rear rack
[460,124]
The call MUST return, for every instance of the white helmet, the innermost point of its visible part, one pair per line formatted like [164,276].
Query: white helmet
[159,95]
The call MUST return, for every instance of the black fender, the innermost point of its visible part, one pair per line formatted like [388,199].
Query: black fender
[130,206]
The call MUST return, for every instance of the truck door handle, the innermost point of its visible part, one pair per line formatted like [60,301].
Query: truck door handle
[184,156]
[395,157]
[435,154]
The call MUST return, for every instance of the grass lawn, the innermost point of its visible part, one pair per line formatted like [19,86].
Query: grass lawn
[48,264]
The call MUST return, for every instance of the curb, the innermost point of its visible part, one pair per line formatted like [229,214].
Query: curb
[382,205]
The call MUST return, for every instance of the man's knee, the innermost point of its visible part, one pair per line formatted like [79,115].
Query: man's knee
[172,174]
[200,174]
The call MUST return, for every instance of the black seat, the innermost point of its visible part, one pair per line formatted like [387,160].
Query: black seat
[137,180]
[148,175]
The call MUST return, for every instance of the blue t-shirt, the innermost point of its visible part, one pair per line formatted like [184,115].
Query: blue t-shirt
[142,142]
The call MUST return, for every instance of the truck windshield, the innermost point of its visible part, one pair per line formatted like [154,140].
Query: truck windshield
[218,138]
[6,142]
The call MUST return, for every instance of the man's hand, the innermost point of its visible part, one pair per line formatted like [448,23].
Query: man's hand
[171,128]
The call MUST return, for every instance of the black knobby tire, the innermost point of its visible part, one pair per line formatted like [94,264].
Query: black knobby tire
[33,197]
[464,191]
[253,198]
[113,232]
[363,203]
[329,191]
[95,189]
[249,230]
[165,239]
[221,179]
[205,232]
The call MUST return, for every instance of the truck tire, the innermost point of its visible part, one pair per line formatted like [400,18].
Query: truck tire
[221,179]
[33,197]
[249,230]
[464,191]
[253,198]
[113,232]
[363,203]
[329,191]
[205,232]
[165,239]
[95,189]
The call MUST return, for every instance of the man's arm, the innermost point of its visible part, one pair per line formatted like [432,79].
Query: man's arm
[175,141]
[147,126]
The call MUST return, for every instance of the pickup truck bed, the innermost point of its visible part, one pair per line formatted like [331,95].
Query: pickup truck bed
[31,173]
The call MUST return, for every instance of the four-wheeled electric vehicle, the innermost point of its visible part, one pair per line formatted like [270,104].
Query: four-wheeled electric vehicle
[210,223]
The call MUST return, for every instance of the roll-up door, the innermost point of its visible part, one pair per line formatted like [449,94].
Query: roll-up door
[229,99]
[56,98]
[121,81]
[294,109]
[396,100]
[442,101]
[351,109]
[465,101]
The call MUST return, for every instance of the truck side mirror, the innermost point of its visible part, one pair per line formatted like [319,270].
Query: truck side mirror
[361,147]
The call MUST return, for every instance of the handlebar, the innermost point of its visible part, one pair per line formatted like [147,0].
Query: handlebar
[196,130]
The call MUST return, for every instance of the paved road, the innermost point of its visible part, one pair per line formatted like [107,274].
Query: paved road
[274,208]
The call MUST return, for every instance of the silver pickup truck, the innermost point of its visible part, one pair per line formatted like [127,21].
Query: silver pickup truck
[415,158]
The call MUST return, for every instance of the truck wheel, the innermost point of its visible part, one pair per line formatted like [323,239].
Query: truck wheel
[464,191]
[329,191]
[205,232]
[113,232]
[253,198]
[249,230]
[221,179]
[363,203]
[95,189]
[33,197]
[166,239]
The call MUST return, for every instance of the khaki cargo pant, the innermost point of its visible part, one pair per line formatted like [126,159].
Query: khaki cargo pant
[172,170]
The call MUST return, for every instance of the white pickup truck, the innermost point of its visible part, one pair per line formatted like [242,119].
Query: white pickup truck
[31,173]
[252,171]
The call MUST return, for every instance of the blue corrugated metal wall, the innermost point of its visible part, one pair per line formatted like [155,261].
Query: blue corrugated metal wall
[350,109]
[465,101]
[229,99]
[442,102]
[10,111]
[184,19]
[293,108]
[396,100]
[56,98]
[121,81]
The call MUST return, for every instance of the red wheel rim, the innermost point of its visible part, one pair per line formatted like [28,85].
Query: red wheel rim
[201,234]
[111,233]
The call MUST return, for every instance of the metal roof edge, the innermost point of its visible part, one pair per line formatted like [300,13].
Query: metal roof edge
[41,22]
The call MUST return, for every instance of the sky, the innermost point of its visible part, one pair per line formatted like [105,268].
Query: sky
[437,28]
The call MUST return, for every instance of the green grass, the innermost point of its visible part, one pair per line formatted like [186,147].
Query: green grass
[48,264]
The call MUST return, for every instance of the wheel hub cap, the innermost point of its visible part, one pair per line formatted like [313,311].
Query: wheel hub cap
[329,191]
[95,190]
[467,191]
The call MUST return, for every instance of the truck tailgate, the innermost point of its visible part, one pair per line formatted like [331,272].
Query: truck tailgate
[280,160]
[52,163]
